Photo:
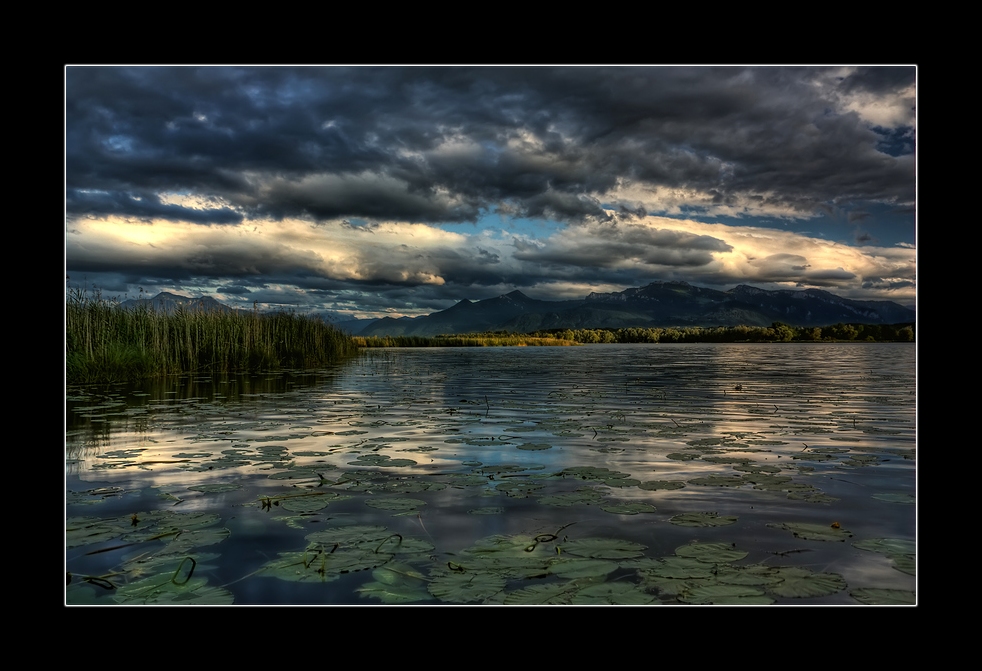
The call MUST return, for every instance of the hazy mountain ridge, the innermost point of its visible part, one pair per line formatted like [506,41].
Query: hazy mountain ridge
[657,304]
[169,303]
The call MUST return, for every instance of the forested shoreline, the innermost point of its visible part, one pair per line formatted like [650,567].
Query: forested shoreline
[105,342]
[777,332]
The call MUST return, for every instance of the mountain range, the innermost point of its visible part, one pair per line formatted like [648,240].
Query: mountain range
[661,304]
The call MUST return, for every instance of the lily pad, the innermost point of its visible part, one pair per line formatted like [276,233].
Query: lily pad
[884,597]
[465,586]
[905,564]
[308,503]
[176,585]
[890,497]
[604,548]
[534,446]
[800,583]
[395,504]
[536,595]
[396,583]
[715,553]
[216,488]
[487,510]
[719,481]
[814,532]
[628,508]
[730,595]
[754,574]
[576,567]
[584,496]
[653,485]
[888,546]
[613,593]
[702,520]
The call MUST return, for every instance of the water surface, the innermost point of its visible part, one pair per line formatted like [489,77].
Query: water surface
[494,475]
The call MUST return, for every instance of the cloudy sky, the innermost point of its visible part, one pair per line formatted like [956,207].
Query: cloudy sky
[401,190]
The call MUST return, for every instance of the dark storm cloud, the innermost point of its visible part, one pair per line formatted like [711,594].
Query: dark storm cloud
[878,80]
[448,144]
[144,206]
[234,290]
[609,246]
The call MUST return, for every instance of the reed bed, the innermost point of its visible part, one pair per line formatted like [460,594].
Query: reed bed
[107,343]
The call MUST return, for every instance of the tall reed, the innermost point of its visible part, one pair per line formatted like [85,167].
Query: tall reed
[107,343]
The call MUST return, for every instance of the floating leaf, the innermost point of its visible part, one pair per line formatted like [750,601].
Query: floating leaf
[188,539]
[92,495]
[905,564]
[396,583]
[86,530]
[614,593]
[534,446]
[716,553]
[755,467]
[653,485]
[754,574]
[308,503]
[585,496]
[604,548]
[628,508]
[317,564]
[396,504]
[465,587]
[890,497]
[488,510]
[535,595]
[800,583]
[814,532]
[888,546]
[702,520]
[216,488]
[719,481]
[170,588]
[730,595]
[576,567]
[884,597]
[355,535]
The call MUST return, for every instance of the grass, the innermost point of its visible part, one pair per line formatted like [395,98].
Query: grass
[107,343]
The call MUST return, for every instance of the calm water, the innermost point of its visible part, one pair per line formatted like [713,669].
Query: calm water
[504,475]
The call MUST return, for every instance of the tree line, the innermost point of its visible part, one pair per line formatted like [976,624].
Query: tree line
[776,332]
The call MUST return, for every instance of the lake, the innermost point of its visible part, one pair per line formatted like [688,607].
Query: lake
[604,474]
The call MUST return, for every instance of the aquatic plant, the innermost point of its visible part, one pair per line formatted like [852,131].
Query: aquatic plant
[105,342]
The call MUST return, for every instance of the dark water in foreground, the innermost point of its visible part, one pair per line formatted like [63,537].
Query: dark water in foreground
[511,475]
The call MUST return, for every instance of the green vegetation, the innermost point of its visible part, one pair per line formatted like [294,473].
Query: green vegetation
[493,339]
[108,343]
[777,332]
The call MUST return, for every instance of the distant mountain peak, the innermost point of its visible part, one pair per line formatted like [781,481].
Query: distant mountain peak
[515,295]
[169,302]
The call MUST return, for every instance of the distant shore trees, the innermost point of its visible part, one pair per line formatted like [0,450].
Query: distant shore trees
[776,332]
